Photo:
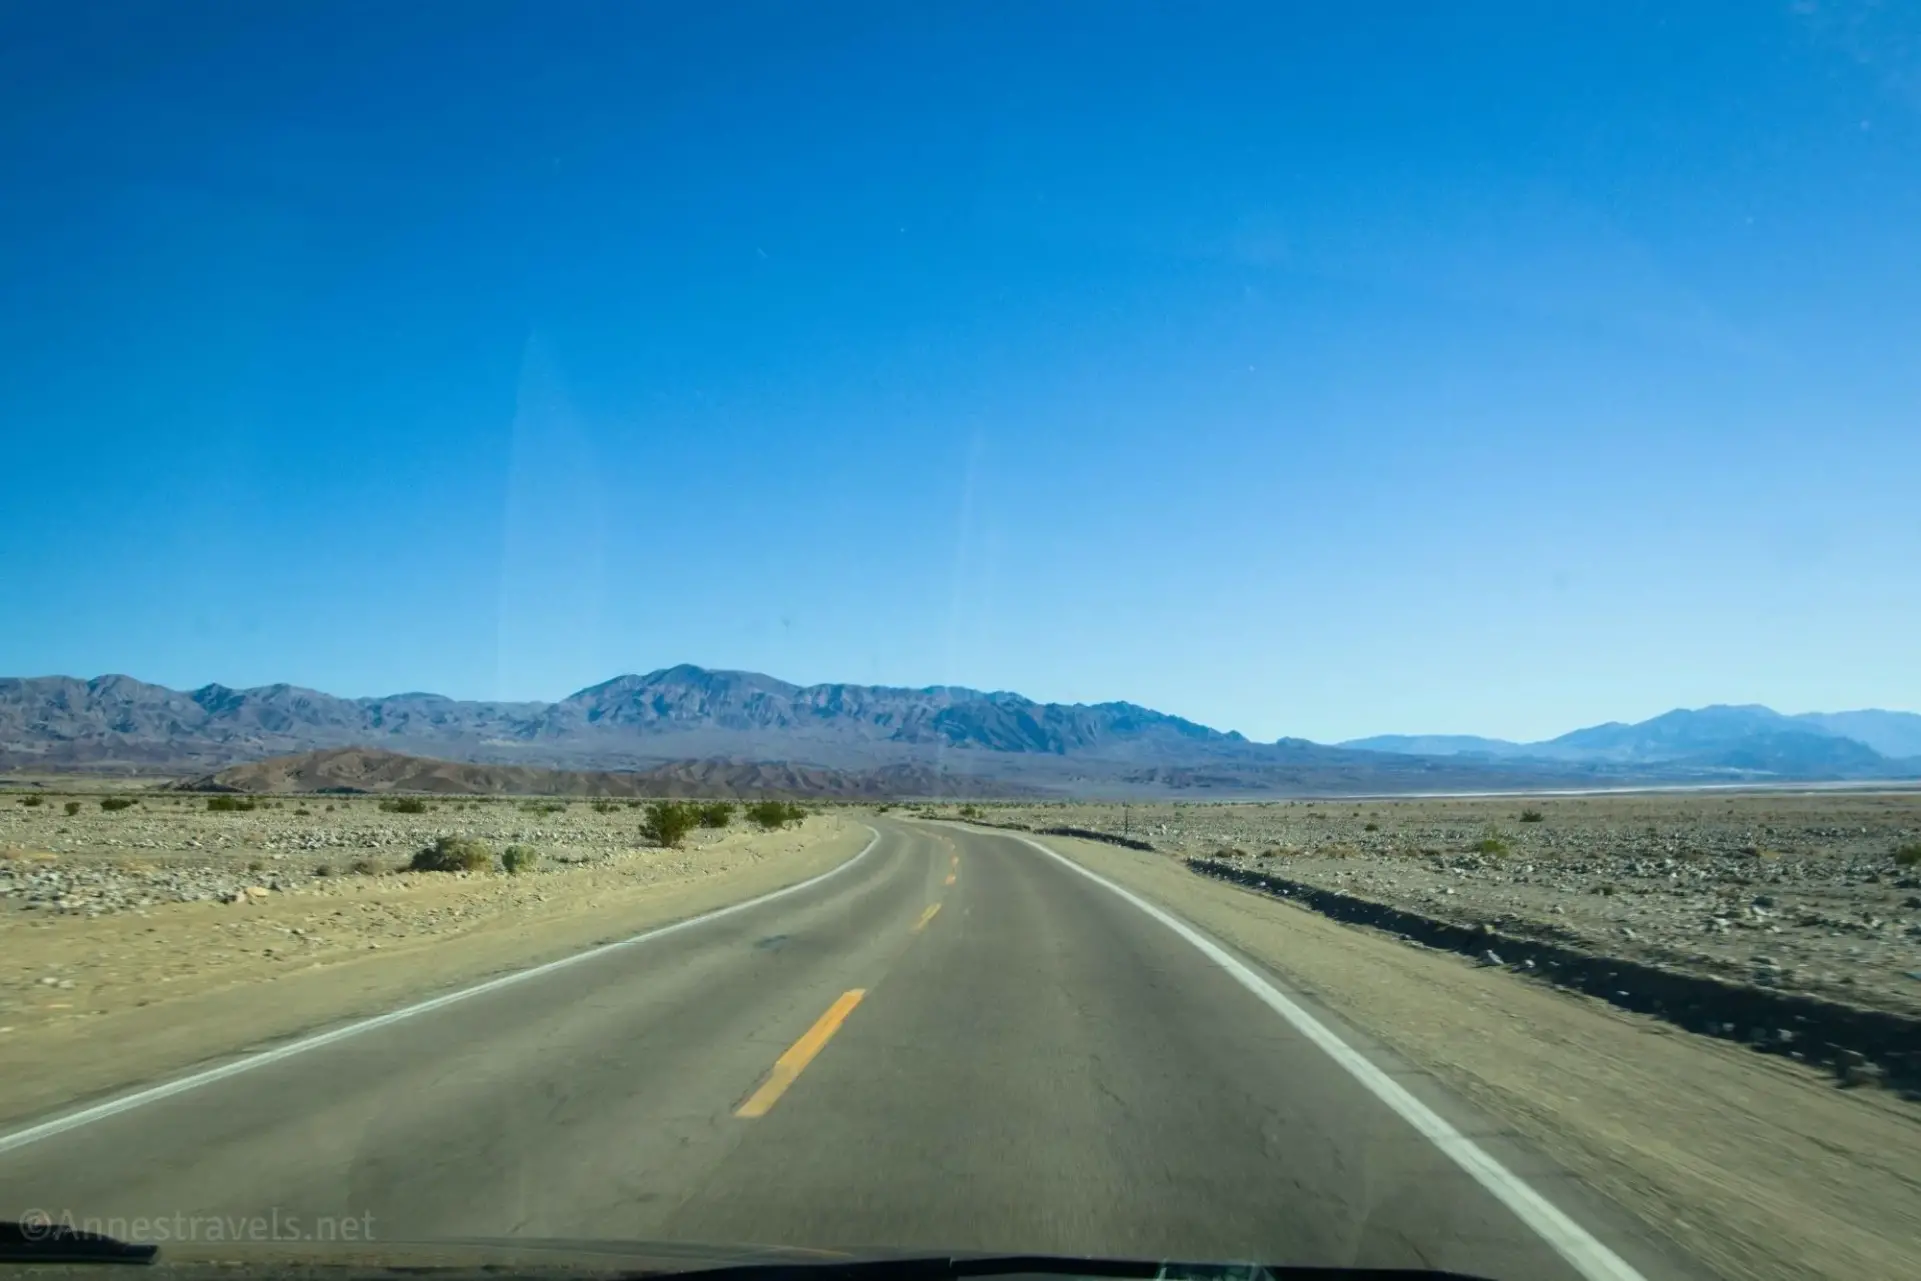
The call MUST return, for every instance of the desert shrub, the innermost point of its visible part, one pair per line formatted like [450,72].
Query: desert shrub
[1370,827]
[970,811]
[230,804]
[516,859]
[1489,845]
[1532,816]
[605,807]
[453,854]
[633,805]
[325,869]
[364,867]
[1908,855]
[303,812]
[73,807]
[882,808]
[542,807]
[256,865]
[31,801]
[717,814]
[402,805]
[114,804]
[666,823]
[768,815]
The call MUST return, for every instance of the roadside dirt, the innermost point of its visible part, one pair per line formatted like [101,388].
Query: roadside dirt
[1815,893]
[1755,1165]
[93,1004]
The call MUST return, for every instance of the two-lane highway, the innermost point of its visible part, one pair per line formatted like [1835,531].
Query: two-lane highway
[955,1042]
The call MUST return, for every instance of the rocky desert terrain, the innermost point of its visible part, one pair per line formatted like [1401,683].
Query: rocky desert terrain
[1756,1165]
[136,940]
[1818,892]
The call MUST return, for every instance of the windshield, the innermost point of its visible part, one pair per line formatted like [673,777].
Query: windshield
[664,635]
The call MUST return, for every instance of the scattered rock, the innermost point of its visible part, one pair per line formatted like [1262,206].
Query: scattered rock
[1688,881]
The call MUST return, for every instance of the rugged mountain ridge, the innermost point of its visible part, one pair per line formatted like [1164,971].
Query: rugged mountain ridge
[673,714]
[1741,737]
[691,715]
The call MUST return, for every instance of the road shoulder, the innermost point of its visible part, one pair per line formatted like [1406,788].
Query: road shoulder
[115,1037]
[1750,1164]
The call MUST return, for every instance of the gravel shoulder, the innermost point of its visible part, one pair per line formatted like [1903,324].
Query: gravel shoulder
[1754,1165]
[1815,892]
[117,975]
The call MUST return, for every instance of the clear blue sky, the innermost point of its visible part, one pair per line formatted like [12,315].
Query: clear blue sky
[1303,369]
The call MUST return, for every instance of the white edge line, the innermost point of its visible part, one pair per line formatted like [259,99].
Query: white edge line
[153,1094]
[1566,1237]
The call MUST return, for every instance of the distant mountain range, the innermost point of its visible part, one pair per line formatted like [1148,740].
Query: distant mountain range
[1745,737]
[934,740]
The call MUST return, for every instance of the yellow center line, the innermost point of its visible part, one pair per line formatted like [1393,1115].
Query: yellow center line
[788,1066]
[927,916]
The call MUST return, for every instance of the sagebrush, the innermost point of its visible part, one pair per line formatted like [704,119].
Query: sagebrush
[666,823]
[454,854]
[768,815]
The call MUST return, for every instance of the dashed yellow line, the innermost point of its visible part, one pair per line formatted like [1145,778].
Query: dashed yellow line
[927,916]
[789,1065]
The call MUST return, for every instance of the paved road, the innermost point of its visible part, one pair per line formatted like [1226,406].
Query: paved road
[1031,1063]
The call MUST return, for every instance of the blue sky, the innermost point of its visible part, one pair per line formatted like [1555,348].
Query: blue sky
[1306,370]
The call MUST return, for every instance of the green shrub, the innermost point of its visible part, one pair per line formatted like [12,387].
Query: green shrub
[114,804]
[403,805]
[364,867]
[453,854]
[605,807]
[303,812]
[1532,816]
[1489,845]
[717,814]
[230,804]
[1370,827]
[73,807]
[325,869]
[666,823]
[768,815]
[31,801]
[542,807]
[1908,855]
[516,859]
[970,811]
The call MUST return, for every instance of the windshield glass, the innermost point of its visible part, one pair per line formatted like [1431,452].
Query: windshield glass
[654,635]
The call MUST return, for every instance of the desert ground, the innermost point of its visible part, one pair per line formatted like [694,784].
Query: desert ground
[1755,1165]
[1808,892]
[134,942]
[140,941]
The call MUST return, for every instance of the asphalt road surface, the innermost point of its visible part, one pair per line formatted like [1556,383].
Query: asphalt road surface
[956,1042]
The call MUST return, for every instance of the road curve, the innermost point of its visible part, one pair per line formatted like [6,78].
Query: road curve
[957,1043]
